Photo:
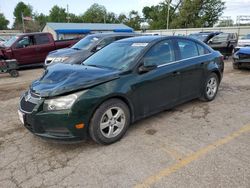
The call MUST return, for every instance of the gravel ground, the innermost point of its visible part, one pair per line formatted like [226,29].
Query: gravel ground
[196,144]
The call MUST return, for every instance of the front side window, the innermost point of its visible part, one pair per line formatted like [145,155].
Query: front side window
[188,49]
[25,42]
[161,53]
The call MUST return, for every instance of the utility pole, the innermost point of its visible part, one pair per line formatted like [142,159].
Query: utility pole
[168,14]
[68,18]
[23,22]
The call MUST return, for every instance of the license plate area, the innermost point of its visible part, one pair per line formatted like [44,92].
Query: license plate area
[21,116]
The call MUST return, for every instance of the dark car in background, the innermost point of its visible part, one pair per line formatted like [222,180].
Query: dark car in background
[77,53]
[241,58]
[31,49]
[224,42]
[126,81]
[204,36]
[244,41]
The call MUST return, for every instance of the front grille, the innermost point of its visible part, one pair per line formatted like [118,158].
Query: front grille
[35,95]
[27,106]
[244,56]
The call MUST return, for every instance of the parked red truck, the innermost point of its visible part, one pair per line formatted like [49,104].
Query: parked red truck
[32,48]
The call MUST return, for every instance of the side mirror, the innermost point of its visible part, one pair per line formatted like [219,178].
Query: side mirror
[147,66]
[98,48]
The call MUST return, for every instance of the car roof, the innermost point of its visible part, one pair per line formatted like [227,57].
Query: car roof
[144,39]
[102,35]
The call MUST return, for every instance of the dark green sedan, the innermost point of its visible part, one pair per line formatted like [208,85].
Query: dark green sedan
[122,83]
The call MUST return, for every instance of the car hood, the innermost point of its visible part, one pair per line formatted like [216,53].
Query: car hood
[245,50]
[64,78]
[244,41]
[66,52]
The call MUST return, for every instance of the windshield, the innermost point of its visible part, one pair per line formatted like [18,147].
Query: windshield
[119,55]
[11,41]
[220,38]
[85,43]
[200,37]
[246,37]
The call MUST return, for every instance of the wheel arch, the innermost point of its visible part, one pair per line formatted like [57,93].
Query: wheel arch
[121,98]
[217,72]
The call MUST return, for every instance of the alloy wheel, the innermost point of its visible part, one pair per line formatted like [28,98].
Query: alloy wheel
[212,87]
[112,122]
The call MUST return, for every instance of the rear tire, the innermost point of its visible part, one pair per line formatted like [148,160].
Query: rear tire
[110,122]
[14,73]
[210,88]
[235,66]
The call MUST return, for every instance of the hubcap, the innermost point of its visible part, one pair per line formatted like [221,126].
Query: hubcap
[211,87]
[112,122]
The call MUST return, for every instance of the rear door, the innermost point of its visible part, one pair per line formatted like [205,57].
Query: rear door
[24,50]
[43,45]
[191,62]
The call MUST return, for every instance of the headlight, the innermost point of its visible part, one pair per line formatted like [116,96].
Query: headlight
[236,56]
[60,59]
[61,103]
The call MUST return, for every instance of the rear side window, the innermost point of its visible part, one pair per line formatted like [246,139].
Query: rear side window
[161,53]
[121,37]
[202,50]
[106,42]
[42,39]
[187,48]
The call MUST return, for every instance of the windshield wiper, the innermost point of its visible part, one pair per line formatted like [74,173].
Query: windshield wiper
[76,48]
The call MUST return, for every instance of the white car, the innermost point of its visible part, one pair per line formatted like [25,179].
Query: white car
[2,41]
[243,42]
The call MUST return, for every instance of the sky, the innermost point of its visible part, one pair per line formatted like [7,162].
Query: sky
[233,7]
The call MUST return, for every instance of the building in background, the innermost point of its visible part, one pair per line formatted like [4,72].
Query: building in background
[73,30]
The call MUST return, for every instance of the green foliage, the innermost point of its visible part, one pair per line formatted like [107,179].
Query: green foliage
[57,14]
[3,22]
[133,20]
[95,14]
[21,8]
[198,13]
[157,15]
[41,19]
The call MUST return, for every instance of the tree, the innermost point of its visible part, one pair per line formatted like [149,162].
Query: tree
[21,9]
[57,14]
[157,15]
[3,22]
[122,18]
[74,18]
[133,20]
[41,19]
[95,14]
[198,13]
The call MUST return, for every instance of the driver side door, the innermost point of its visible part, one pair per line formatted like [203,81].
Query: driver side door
[159,88]
[24,51]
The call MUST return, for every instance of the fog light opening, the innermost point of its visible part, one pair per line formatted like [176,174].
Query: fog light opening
[79,126]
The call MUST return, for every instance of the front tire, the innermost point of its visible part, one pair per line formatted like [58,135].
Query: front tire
[235,66]
[210,88]
[110,122]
